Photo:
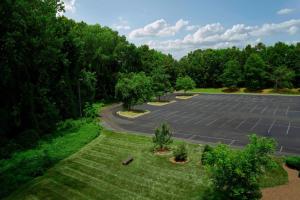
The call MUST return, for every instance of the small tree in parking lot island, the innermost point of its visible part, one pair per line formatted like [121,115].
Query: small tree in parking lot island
[162,138]
[160,82]
[133,89]
[185,83]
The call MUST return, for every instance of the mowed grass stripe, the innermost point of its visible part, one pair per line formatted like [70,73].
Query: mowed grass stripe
[182,177]
[130,182]
[137,176]
[86,185]
[91,179]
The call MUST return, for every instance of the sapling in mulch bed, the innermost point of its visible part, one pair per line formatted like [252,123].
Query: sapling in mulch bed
[180,153]
[162,138]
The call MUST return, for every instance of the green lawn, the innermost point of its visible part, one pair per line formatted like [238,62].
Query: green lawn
[26,165]
[96,172]
[295,91]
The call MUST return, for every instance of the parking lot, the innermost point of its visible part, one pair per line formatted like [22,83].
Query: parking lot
[227,119]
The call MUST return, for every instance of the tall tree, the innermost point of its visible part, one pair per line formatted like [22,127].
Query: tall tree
[232,74]
[282,77]
[133,89]
[255,72]
[160,82]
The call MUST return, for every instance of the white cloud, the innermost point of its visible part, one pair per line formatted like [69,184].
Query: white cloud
[69,5]
[216,36]
[191,27]
[158,28]
[285,11]
[121,25]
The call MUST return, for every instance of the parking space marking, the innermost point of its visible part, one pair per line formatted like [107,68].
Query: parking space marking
[281,149]
[240,124]
[270,128]
[256,123]
[287,110]
[263,110]
[210,123]
[231,143]
[274,112]
[253,108]
[288,129]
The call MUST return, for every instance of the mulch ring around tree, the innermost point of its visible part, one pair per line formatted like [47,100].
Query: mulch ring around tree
[172,160]
[164,152]
[289,191]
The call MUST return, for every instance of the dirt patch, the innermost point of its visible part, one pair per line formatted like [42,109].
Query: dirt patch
[164,152]
[172,160]
[290,191]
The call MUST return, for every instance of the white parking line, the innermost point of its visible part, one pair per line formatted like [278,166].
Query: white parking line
[288,129]
[281,149]
[253,127]
[240,124]
[253,108]
[287,110]
[270,128]
[231,143]
[210,123]
[263,110]
[274,112]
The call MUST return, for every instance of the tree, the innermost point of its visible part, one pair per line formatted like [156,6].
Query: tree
[282,77]
[162,137]
[235,173]
[255,72]
[160,82]
[133,89]
[185,83]
[232,74]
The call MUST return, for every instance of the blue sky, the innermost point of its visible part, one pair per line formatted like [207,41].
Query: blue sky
[180,26]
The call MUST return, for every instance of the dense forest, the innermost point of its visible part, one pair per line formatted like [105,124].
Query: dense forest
[52,66]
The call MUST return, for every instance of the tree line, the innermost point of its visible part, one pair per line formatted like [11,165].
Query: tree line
[52,67]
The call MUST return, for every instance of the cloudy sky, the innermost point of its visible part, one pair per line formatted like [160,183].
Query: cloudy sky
[180,26]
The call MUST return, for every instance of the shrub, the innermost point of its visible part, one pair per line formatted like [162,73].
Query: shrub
[90,111]
[207,149]
[293,162]
[162,137]
[180,153]
[235,174]
[68,124]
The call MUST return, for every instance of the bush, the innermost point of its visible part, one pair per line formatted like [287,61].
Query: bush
[293,162]
[162,137]
[180,153]
[68,124]
[90,111]
[207,149]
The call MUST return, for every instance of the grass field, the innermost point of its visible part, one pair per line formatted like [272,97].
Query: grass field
[295,91]
[96,172]
[24,166]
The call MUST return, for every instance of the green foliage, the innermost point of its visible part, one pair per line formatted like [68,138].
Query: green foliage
[206,150]
[180,153]
[232,75]
[235,174]
[282,77]
[91,111]
[255,72]
[293,162]
[133,89]
[25,165]
[163,137]
[185,83]
[160,82]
